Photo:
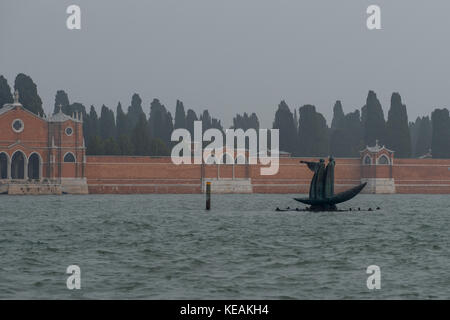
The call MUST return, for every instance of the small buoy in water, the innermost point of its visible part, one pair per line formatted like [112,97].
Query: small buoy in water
[370,209]
[359,209]
[378,208]
[350,209]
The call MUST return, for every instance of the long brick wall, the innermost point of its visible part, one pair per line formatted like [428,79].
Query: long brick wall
[110,174]
[422,175]
[123,174]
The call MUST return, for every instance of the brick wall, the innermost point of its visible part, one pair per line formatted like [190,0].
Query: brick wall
[422,175]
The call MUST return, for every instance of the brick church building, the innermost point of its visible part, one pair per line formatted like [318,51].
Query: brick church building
[40,155]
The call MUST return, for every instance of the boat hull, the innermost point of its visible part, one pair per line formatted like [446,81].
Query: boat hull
[339,198]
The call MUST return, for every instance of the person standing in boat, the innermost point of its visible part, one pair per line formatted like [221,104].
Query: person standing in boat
[316,189]
[328,182]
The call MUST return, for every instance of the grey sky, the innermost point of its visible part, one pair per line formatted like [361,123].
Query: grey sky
[231,55]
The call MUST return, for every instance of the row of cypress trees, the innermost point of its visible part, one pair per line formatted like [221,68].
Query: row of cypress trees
[349,133]
[305,133]
[131,132]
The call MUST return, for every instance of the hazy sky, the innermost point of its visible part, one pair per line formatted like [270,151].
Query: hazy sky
[231,55]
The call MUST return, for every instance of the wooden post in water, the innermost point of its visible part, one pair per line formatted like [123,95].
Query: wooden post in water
[208,195]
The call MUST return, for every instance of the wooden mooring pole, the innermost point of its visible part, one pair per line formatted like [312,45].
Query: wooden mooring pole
[208,195]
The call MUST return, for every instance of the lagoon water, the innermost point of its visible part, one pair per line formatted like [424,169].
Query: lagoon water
[168,247]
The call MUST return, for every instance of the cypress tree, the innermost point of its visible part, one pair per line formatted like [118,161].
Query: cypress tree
[373,120]
[134,112]
[61,101]
[121,121]
[440,143]
[5,92]
[284,122]
[160,122]
[180,116]
[397,132]
[313,133]
[423,142]
[246,122]
[206,120]
[238,122]
[107,123]
[190,118]
[338,116]
[75,108]
[338,143]
[91,126]
[168,128]
[354,133]
[216,124]
[140,138]
[346,133]
[28,95]
[253,121]
[413,132]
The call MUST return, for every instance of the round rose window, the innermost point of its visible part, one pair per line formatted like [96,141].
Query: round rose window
[17,125]
[69,131]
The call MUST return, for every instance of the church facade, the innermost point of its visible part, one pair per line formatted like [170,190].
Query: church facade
[40,155]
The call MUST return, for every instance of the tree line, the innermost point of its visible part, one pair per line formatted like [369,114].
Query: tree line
[304,133]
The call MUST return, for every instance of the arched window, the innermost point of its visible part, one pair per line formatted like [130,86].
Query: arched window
[18,165]
[34,167]
[383,160]
[4,163]
[367,160]
[69,157]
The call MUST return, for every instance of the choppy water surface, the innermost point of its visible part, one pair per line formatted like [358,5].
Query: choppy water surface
[168,247]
